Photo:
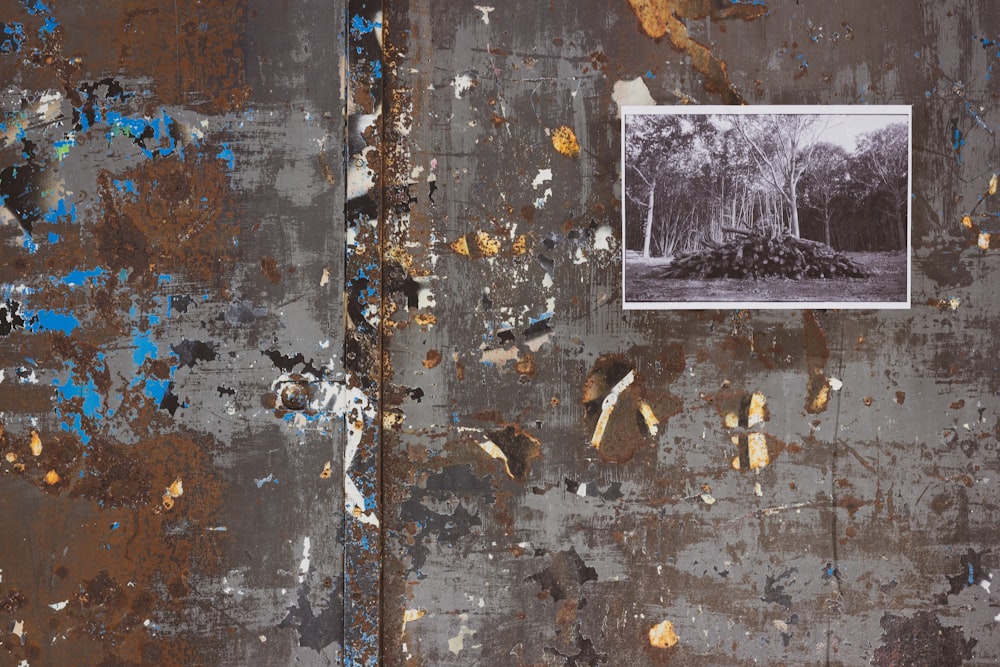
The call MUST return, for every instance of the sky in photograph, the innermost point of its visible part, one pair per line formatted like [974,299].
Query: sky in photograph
[840,129]
[844,130]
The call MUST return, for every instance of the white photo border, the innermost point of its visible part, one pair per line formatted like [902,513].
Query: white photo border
[833,110]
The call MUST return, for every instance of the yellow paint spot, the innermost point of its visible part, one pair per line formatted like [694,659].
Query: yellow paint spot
[993,185]
[967,221]
[651,421]
[954,302]
[11,457]
[520,245]
[984,240]
[757,446]
[495,452]
[176,488]
[818,404]
[51,478]
[411,615]
[755,414]
[327,471]
[36,443]
[732,420]
[425,319]
[756,452]
[461,246]
[487,245]
[663,635]
[564,141]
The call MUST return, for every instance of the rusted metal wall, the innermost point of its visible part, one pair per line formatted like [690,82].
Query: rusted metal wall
[172,387]
[869,537]
[311,313]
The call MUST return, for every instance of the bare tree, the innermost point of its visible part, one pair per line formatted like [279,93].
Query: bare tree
[779,144]
[825,179]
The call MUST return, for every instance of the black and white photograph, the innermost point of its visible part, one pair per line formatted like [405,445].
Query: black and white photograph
[766,207]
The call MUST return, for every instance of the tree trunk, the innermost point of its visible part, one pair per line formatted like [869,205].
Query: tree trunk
[647,237]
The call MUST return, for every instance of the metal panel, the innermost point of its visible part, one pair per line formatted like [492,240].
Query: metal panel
[510,537]
[173,333]
[312,349]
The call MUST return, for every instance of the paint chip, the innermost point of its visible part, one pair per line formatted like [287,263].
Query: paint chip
[461,246]
[608,406]
[663,635]
[327,471]
[967,221]
[564,141]
[325,279]
[52,478]
[631,93]
[651,421]
[993,185]
[36,443]
[755,413]
[835,384]
[485,11]
[495,452]
[984,240]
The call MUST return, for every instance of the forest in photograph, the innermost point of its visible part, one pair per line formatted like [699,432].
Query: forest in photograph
[766,207]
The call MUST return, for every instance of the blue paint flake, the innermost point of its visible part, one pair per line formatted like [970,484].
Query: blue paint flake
[12,39]
[115,526]
[376,71]
[53,237]
[145,348]
[72,389]
[36,8]
[60,212]
[51,320]
[127,185]
[227,154]
[79,277]
[50,27]
[362,26]
[972,575]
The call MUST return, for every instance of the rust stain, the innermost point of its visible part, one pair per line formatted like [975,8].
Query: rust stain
[432,359]
[659,18]
[193,51]
[174,225]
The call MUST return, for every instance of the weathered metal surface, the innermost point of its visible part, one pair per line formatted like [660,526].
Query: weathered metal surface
[172,274]
[312,346]
[563,478]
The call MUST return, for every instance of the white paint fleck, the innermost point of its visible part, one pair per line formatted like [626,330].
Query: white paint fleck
[608,406]
[457,643]
[757,491]
[19,631]
[59,606]
[463,83]
[835,384]
[485,11]
[582,491]
[602,237]
[631,93]
[304,563]
[544,175]
[325,278]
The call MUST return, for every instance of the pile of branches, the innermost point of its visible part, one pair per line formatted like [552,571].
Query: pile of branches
[757,255]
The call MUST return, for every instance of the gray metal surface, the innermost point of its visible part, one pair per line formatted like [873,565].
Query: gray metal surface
[869,537]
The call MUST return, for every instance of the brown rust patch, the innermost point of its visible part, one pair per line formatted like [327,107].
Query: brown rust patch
[193,51]
[519,449]
[174,224]
[269,268]
[432,359]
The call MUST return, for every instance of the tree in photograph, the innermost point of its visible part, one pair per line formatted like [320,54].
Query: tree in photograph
[883,157]
[655,148]
[824,181]
[780,146]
